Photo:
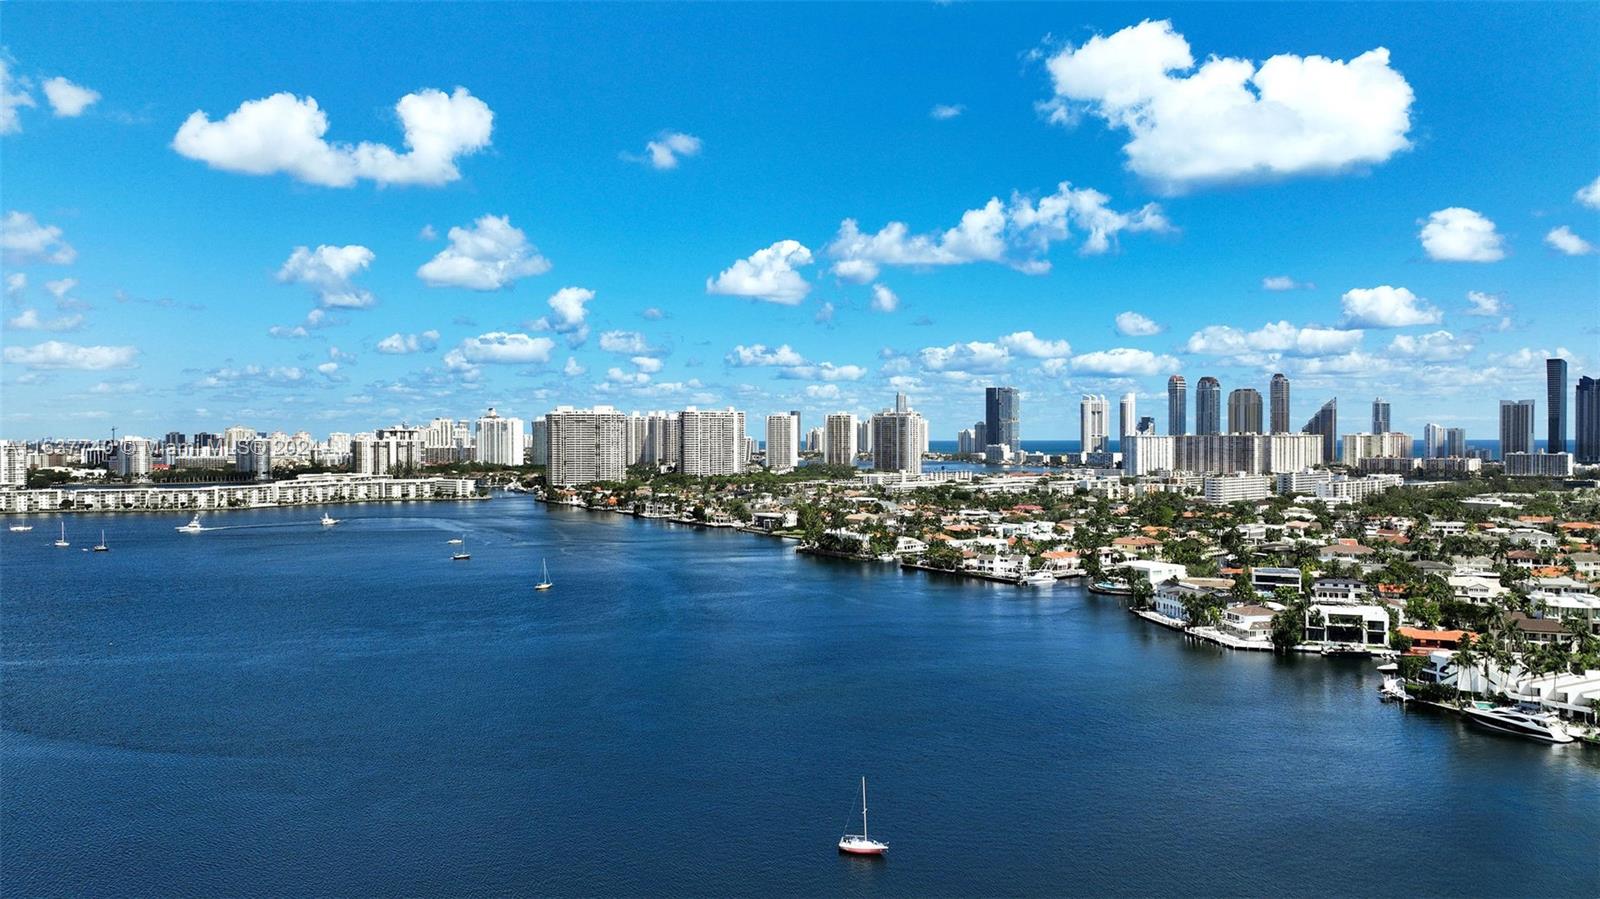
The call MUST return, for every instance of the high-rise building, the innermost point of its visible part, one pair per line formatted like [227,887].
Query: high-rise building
[897,438]
[1093,415]
[1433,441]
[13,463]
[1177,405]
[1002,416]
[586,445]
[1208,406]
[1380,415]
[1555,389]
[540,450]
[1326,423]
[711,441]
[397,450]
[1516,427]
[1586,419]
[1127,415]
[1455,443]
[964,446]
[501,440]
[864,435]
[1387,445]
[839,439]
[783,442]
[1279,392]
[798,427]
[980,435]
[132,456]
[1244,411]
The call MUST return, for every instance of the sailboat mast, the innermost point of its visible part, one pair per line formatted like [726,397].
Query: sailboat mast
[863,808]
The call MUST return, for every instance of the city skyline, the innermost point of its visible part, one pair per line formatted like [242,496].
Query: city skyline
[541,242]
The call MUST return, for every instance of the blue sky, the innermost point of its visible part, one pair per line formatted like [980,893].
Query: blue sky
[720,268]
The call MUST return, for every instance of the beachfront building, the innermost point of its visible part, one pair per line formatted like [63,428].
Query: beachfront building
[586,445]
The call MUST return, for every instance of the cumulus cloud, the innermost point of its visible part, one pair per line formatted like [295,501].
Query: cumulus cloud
[1279,338]
[759,354]
[884,299]
[1487,305]
[824,314]
[1132,324]
[1387,307]
[499,348]
[29,320]
[398,344]
[573,368]
[1461,235]
[1026,343]
[667,150]
[945,111]
[791,364]
[329,271]
[1439,346]
[14,95]
[68,100]
[822,391]
[973,357]
[16,284]
[1567,242]
[491,255]
[1123,361]
[54,354]
[1588,195]
[1230,120]
[254,375]
[1284,282]
[767,275]
[569,313]
[24,240]
[627,343]
[284,133]
[1018,234]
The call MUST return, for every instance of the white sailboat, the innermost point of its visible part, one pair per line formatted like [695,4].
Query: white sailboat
[101,546]
[63,541]
[859,843]
[461,555]
[544,582]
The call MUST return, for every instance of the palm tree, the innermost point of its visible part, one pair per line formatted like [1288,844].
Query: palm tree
[1466,659]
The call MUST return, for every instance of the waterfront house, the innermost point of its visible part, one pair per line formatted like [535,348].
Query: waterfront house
[1476,588]
[1362,625]
[1266,580]
[1425,641]
[1248,622]
[1339,589]
[1344,551]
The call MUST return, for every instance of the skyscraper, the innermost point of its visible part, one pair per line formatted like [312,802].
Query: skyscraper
[1555,391]
[1280,403]
[1433,441]
[501,440]
[1002,416]
[897,438]
[1455,443]
[839,439]
[1326,423]
[1177,405]
[1208,406]
[586,445]
[1380,416]
[1244,411]
[1516,426]
[1586,417]
[1127,415]
[711,441]
[1092,423]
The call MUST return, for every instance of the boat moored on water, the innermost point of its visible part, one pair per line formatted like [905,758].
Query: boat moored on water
[1519,721]
[860,843]
[1038,579]
[1393,689]
[544,581]
[63,541]
[20,528]
[101,546]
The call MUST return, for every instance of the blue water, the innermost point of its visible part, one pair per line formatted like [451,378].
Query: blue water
[272,708]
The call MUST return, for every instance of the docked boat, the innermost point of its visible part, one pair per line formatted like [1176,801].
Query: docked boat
[1038,579]
[193,527]
[63,541]
[328,521]
[101,546]
[860,843]
[544,581]
[20,528]
[1519,721]
[1393,689]
[1110,588]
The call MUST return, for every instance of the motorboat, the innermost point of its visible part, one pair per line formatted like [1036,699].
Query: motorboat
[62,543]
[193,527]
[544,581]
[1393,689]
[20,528]
[101,546]
[1038,579]
[860,843]
[456,541]
[1519,721]
[328,521]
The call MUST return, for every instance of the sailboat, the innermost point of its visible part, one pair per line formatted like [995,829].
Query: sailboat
[63,541]
[460,555]
[101,546]
[859,843]
[544,582]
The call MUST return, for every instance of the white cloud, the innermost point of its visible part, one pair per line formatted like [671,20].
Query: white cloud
[29,320]
[16,284]
[54,354]
[24,240]
[401,344]
[1123,361]
[653,314]
[1018,234]
[1132,324]
[884,299]
[648,364]
[14,95]
[1273,339]
[666,151]
[1284,282]
[329,271]
[1027,344]
[758,354]
[628,343]
[283,133]
[499,348]
[1487,305]
[568,314]
[1461,235]
[256,375]
[1588,195]
[822,391]
[1439,346]
[68,100]
[790,364]
[1387,307]
[60,287]
[1230,120]
[824,314]
[1567,242]
[972,357]
[491,255]
[573,368]
[767,274]
[946,111]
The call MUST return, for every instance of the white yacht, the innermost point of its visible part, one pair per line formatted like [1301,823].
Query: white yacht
[1038,579]
[1522,722]
[63,541]
[456,541]
[19,528]
[1393,689]
[859,843]
[328,521]
[193,527]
